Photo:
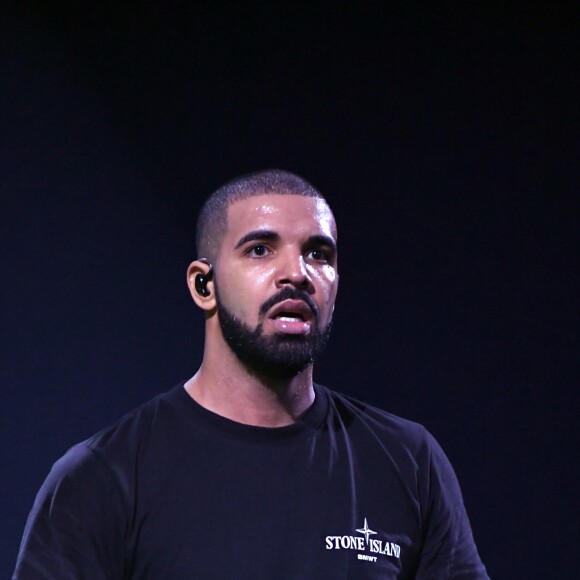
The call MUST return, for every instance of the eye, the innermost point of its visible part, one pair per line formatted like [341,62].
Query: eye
[258,251]
[319,255]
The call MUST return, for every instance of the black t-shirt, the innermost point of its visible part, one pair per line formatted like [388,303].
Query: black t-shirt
[174,491]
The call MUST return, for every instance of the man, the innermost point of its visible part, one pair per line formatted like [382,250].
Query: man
[249,470]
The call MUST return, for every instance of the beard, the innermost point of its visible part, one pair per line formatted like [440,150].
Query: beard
[279,356]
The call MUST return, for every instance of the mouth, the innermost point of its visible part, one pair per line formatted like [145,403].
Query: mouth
[291,317]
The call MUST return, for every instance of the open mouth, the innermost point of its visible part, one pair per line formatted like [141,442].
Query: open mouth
[291,311]
[291,317]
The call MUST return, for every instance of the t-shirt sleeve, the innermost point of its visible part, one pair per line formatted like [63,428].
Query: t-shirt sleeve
[448,551]
[76,526]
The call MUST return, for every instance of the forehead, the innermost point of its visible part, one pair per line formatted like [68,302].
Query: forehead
[285,214]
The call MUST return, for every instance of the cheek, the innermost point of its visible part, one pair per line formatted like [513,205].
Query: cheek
[327,282]
[324,275]
[243,291]
[330,274]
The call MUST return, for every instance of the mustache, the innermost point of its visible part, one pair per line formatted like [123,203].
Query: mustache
[289,293]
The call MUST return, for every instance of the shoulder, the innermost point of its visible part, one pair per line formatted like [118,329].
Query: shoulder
[379,422]
[83,511]
[132,431]
[111,455]
[406,443]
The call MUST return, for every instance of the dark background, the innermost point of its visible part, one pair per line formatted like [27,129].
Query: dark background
[444,139]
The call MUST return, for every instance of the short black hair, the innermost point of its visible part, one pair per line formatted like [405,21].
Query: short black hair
[212,220]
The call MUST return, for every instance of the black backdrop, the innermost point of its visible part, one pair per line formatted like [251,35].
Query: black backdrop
[444,141]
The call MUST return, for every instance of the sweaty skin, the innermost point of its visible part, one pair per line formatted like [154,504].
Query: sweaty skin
[271,242]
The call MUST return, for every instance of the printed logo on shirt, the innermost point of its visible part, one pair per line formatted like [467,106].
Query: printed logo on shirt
[374,547]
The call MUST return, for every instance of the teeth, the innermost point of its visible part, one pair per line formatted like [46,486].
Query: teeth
[289,319]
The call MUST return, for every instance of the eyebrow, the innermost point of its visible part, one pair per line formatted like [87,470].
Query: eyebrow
[270,235]
[257,235]
[322,240]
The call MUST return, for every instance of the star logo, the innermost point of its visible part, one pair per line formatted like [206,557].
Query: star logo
[366,531]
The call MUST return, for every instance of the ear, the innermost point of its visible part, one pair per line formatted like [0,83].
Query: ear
[197,268]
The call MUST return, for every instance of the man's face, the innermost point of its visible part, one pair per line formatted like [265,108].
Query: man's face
[276,281]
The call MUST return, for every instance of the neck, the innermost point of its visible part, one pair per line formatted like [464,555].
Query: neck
[225,386]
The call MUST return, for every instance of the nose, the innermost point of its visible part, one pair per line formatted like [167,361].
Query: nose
[292,271]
